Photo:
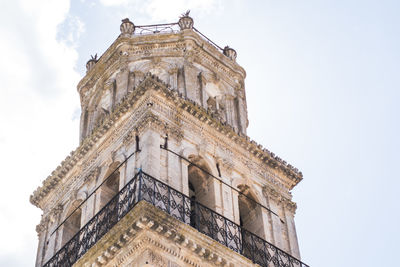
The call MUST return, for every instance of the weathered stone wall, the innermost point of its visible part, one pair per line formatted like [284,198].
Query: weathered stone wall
[191,112]
[155,119]
[183,61]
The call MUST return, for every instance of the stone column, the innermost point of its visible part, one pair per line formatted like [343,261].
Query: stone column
[52,246]
[276,223]
[235,206]
[242,113]
[192,83]
[42,231]
[226,167]
[181,83]
[230,110]
[109,86]
[122,176]
[150,151]
[129,142]
[289,210]
[173,74]
[89,206]
[121,84]
[184,177]
[174,165]
[131,82]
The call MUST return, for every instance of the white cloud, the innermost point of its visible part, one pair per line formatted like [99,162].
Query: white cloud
[71,30]
[167,10]
[114,2]
[161,10]
[37,98]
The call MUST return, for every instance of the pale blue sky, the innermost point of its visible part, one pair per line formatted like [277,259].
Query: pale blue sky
[322,89]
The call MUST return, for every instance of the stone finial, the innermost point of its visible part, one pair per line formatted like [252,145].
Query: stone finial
[185,22]
[127,28]
[90,64]
[229,52]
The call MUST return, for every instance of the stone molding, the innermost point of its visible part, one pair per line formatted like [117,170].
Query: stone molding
[146,227]
[186,44]
[149,83]
[279,197]
[43,225]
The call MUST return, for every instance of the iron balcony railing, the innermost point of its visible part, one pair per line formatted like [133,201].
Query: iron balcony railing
[169,28]
[144,187]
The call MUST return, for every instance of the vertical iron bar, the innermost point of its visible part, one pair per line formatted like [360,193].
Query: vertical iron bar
[252,248]
[140,186]
[212,227]
[169,200]
[196,215]
[154,192]
[226,233]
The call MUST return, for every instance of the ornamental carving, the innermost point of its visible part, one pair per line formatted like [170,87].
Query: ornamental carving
[127,28]
[151,83]
[42,226]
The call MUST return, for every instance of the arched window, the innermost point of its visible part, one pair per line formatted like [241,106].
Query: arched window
[111,187]
[71,226]
[201,190]
[200,181]
[251,218]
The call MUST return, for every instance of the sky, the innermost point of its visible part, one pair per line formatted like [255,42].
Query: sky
[322,90]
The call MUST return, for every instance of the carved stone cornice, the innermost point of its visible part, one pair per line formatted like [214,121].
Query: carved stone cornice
[291,206]
[279,197]
[93,174]
[151,82]
[179,44]
[147,228]
[43,225]
[271,193]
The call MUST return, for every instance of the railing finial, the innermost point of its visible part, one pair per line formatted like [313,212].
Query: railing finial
[91,62]
[230,52]
[127,28]
[185,22]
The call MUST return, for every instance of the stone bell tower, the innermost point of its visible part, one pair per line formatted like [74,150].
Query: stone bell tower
[165,174]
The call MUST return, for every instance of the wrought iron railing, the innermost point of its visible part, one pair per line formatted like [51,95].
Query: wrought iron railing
[181,207]
[156,28]
[169,28]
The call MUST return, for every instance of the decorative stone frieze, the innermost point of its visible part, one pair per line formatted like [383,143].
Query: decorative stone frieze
[42,226]
[192,101]
[147,233]
[152,83]
[93,174]
[291,206]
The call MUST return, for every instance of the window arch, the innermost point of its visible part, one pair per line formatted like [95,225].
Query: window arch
[201,190]
[72,225]
[199,181]
[250,213]
[111,187]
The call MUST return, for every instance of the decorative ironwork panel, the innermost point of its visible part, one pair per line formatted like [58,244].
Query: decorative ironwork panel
[156,28]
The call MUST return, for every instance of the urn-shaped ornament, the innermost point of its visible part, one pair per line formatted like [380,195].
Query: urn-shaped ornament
[90,64]
[230,52]
[127,28]
[185,22]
